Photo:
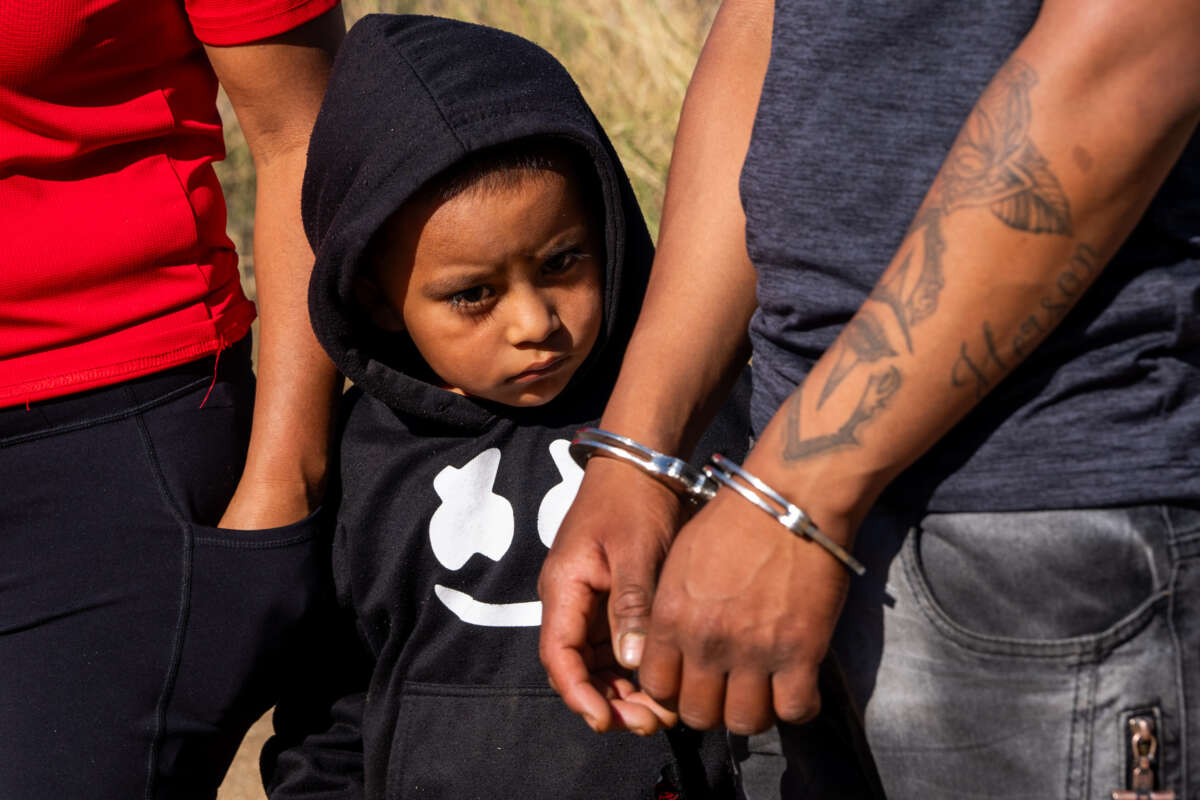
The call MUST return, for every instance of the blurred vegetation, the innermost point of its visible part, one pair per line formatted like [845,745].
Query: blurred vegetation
[631,58]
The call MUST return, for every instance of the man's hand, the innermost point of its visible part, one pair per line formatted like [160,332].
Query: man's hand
[606,557]
[742,619]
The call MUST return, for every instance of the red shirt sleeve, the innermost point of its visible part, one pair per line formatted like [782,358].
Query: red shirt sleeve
[230,22]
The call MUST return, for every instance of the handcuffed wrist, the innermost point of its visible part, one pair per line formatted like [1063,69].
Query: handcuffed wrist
[674,473]
[699,486]
[788,514]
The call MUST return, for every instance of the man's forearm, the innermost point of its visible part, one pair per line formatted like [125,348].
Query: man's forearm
[690,342]
[1048,176]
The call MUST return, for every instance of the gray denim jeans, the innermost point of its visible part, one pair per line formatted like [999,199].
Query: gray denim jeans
[1002,655]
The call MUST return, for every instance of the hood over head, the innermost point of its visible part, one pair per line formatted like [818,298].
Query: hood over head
[410,96]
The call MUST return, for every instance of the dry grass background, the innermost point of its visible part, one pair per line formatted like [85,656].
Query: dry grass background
[632,60]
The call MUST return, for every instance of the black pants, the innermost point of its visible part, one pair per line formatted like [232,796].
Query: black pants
[138,642]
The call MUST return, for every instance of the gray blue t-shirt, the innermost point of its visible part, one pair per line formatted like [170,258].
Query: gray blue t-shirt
[859,108]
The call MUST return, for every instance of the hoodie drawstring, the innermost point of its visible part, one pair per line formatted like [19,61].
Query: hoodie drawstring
[216,365]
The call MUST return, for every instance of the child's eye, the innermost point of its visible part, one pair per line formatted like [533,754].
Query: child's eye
[470,299]
[561,262]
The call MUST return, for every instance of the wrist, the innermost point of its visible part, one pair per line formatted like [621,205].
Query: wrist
[836,491]
[262,502]
[293,473]
[628,480]
[686,481]
[658,431]
[787,514]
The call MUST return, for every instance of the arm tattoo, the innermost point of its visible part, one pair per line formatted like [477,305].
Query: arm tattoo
[968,370]
[992,165]
[874,399]
[865,343]
[923,240]
[981,367]
[922,301]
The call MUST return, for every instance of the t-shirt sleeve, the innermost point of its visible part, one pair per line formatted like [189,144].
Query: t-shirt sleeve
[229,22]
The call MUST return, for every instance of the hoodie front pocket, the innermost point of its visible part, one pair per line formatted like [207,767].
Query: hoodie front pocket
[465,742]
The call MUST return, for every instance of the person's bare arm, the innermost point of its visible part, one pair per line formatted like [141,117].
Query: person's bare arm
[276,86]
[691,339]
[1048,176]
[689,345]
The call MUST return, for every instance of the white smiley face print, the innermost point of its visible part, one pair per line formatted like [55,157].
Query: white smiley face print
[472,519]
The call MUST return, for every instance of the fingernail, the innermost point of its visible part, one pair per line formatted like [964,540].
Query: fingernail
[632,646]
[590,720]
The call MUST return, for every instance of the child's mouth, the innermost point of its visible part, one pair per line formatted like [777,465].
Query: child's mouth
[540,370]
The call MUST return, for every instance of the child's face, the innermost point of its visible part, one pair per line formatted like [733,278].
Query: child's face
[500,289]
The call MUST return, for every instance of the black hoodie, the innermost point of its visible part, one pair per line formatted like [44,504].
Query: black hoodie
[448,503]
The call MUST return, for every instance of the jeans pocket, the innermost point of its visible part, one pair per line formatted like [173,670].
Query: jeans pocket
[1071,583]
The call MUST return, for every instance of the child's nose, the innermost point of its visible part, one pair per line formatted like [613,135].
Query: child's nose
[533,317]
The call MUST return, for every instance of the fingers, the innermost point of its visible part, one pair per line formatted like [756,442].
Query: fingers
[629,604]
[663,716]
[695,686]
[569,676]
[634,710]
[635,717]
[660,672]
[563,645]
[795,693]
[633,563]
[748,703]
[742,617]
[701,696]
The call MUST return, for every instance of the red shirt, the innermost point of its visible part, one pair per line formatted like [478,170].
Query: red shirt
[114,261]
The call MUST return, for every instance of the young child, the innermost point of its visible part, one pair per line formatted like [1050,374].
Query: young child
[480,263]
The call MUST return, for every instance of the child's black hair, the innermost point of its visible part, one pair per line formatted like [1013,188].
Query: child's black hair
[503,166]
[498,168]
